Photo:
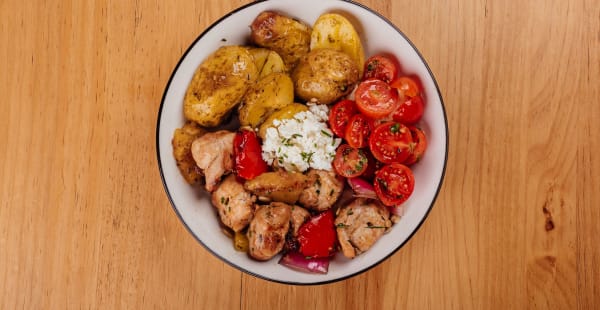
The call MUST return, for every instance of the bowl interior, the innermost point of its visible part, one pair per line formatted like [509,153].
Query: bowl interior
[379,35]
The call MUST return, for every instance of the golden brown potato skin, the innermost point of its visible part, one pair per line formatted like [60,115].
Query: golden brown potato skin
[182,144]
[288,37]
[269,94]
[325,75]
[334,31]
[219,84]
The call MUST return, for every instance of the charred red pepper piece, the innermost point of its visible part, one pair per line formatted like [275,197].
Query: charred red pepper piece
[317,236]
[248,155]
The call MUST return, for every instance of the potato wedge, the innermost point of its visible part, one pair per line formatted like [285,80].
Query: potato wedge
[288,37]
[334,31]
[182,144]
[219,84]
[269,94]
[273,64]
[286,112]
[259,55]
[267,61]
[280,186]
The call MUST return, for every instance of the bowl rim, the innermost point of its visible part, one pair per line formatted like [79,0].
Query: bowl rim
[187,227]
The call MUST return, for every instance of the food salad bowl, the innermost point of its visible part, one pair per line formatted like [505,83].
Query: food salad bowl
[192,204]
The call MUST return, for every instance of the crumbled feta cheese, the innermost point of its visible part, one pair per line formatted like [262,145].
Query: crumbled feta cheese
[302,142]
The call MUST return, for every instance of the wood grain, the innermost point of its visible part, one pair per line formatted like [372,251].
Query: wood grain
[84,222]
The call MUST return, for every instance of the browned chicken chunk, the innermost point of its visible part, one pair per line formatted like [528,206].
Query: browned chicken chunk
[299,216]
[360,224]
[213,153]
[234,203]
[324,190]
[267,230]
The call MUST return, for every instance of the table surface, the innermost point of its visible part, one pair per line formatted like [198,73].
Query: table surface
[85,223]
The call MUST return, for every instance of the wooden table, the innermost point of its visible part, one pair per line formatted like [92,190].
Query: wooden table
[85,223]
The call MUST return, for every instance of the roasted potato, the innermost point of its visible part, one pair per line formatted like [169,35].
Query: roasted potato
[334,31]
[240,242]
[182,144]
[259,55]
[267,61]
[288,37]
[219,84]
[281,186]
[325,75]
[269,94]
[286,112]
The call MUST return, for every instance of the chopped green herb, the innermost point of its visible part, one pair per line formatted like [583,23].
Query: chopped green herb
[342,225]
[382,183]
[395,127]
[325,133]
[307,157]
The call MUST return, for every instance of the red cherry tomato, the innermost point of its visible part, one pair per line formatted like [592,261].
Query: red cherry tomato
[248,155]
[317,236]
[372,166]
[394,183]
[410,111]
[375,98]
[390,142]
[350,162]
[340,114]
[383,67]
[418,146]
[406,86]
[358,131]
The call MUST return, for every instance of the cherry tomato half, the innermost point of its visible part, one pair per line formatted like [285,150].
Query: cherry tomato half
[394,183]
[410,111]
[406,86]
[317,236]
[418,146]
[248,155]
[375,98]
[382,66]
[358,130]
[340,114]
[372,166]
[390,142]
[350,162]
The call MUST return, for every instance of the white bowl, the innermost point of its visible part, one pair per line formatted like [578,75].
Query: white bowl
[379,35]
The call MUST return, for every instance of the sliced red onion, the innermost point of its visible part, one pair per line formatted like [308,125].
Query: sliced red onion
[397,210]
[362,188]
[298,262]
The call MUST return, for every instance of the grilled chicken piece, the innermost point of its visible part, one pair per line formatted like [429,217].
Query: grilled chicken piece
[234,203]
[299,216]
[360,224]
[324,190]
[267,230]
[213,153]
